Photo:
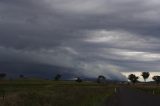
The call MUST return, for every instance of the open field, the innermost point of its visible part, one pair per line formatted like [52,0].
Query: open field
[129,96]
[149,88]
[53,93]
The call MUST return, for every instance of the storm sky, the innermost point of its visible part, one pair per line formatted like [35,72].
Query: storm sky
[79,37]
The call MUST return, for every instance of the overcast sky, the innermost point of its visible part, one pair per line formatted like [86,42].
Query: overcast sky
[79,37]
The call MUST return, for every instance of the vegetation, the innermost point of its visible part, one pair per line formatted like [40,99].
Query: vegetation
[27,92]
[133,78]
[145,75]
[78,80]
[101,79]
[149,88]
[57,77]
[156,79]
[21,76]
[53,93]
[2,75]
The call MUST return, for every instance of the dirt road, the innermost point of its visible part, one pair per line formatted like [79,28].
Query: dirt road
[131,97]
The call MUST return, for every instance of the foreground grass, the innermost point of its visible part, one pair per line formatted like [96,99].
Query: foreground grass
[51,93]
[149,88]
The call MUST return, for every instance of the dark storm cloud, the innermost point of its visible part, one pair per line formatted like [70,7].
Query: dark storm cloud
[91,37]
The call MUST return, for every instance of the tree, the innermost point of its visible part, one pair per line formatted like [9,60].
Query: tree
[101,79]
[133,78]
[156,79]
[2,75]
[78,80]
[21,76]
[57,77]
[145,75]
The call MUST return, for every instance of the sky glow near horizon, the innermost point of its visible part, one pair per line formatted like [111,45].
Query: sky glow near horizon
[83,38]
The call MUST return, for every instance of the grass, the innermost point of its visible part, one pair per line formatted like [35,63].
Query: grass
[149,88]
[53,93]
[153,90]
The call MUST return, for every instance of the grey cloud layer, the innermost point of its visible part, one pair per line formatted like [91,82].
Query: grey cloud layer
[91,36]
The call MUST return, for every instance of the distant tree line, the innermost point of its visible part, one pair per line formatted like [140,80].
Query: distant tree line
[100,79]
[133,78]
[57,77]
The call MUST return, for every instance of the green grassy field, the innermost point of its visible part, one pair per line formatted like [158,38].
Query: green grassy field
[53,93]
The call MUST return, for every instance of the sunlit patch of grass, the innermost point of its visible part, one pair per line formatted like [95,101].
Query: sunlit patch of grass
[54,93]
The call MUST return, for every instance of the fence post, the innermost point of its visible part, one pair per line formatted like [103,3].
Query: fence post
[115,90]
[3,94]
